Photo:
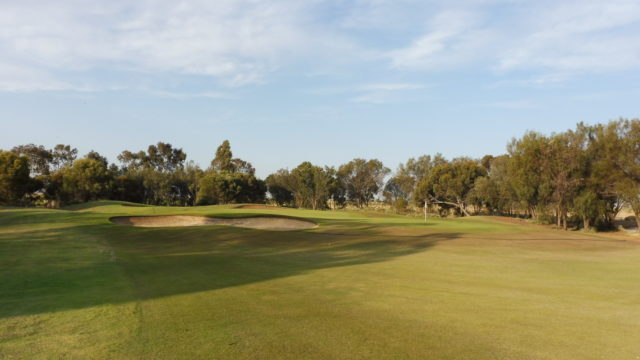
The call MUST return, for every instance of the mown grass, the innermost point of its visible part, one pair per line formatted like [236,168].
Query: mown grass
[74,285]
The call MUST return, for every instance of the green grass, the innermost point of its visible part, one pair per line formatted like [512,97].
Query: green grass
[73,285]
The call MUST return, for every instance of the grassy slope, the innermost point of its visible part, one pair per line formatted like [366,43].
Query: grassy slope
[74,285]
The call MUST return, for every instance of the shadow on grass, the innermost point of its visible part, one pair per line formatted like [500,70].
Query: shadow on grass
[87,265]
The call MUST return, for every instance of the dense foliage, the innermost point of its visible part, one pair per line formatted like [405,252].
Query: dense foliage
[580,177]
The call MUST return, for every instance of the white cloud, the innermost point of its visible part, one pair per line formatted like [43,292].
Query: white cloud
[240,42]
[566,37]
[445,37]
[236,41]
[579,36]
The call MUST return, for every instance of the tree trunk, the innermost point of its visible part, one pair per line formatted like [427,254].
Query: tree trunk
[636,212]
[462,208]
[586,222]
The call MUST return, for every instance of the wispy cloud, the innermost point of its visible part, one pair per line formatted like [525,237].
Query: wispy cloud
[243,42]
[565,37]
[237,42]
[579,36]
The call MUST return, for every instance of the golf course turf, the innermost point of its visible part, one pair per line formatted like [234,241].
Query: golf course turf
[358,286]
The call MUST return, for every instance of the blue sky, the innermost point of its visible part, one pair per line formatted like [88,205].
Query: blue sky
[326,81]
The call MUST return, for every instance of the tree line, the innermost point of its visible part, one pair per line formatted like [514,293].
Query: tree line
[578,178]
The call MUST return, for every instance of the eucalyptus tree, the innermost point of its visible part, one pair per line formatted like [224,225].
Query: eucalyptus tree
[279,187]
[63,156]
[155,169]
[39,158]
[362,180]
[15,182]
[310,185]
[526,173]
[87,179]
[620,140]
[449,185]
[229,180]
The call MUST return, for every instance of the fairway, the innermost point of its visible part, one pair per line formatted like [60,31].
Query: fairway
[358,286]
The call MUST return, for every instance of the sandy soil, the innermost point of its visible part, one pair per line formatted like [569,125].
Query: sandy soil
[262,222]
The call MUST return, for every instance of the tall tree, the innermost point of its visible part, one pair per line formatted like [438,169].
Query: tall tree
[310,185]
[278,185]
[449,185]
[225,187]
[621,143]
[39,158]
[87,179]
[223,161]
[563,169]
[528,159]
[63,156]
[362,180]
[14,177]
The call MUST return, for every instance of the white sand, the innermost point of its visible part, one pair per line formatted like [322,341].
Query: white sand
[261,222]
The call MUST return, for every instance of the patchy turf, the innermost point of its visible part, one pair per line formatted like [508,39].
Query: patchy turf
[74,285]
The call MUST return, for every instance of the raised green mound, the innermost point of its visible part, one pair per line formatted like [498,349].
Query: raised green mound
[75,285]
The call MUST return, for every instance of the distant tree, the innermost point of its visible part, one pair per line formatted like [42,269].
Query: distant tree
[619,141]
[306,186]
[494,191]
[133,161]
[526,173]
[229,180]
[129,187]
[96,156]
[87,179]
[161,157]
[485,193]
[39,158]
[395,194]
[402,184]
[160,170]
[278,185]
[589,206]
[564,171]
[164,157]
[15,182]
[362,180]
[225,187]
[310,185]
[449,185]
[223,161]
[337,190]
[63,156]
[242,166]
[487,161]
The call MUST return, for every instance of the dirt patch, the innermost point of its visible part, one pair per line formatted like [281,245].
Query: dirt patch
[258,222]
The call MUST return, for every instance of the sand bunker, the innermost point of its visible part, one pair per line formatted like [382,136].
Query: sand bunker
[258,222]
